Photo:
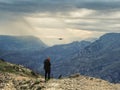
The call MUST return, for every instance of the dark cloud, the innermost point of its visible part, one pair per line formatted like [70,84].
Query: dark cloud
[17,6]
[100,5]
[30,6]
[34,6]
[101,25]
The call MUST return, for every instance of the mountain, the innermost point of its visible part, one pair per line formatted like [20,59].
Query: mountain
[91,39]
[21,43]
[10,43]
[31,52]
[59,53]
[17,77]
[20,49]
[99,59]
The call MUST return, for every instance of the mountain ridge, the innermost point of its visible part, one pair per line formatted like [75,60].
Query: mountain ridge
[101,55]
[18,49]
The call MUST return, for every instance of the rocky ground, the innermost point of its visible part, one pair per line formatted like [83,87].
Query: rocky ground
[16,82]
[80,83]
[16,77]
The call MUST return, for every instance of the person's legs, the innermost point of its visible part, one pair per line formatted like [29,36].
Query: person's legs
[45,75]
[48,74]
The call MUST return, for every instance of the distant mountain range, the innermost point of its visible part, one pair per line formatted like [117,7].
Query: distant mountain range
[31,52]
[20,43]
[20,49]
[59,54]
[100,58]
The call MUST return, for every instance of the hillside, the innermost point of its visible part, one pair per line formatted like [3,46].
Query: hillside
[21,49]
[99,59]
[60,53]
[17,43]
[31,52]
[16,77]
[78,82]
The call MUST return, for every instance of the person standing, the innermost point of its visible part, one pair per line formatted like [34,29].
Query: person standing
[47,68]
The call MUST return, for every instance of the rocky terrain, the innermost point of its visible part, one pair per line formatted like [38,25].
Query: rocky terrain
[78,82]
[17,82]
[16,77]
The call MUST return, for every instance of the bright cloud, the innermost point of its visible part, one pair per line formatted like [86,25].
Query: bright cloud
[81,13]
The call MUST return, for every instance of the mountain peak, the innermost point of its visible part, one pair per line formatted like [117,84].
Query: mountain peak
[20,42]
[110,36]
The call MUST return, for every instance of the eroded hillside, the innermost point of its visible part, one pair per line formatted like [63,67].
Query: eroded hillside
[16,77]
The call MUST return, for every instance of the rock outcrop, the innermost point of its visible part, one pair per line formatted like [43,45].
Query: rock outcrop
[80,83]
[19,78]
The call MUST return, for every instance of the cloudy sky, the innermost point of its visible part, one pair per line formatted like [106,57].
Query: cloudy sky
[52,19]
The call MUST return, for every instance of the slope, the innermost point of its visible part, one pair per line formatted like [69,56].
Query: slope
[20,49]
[16,77]
[99,59]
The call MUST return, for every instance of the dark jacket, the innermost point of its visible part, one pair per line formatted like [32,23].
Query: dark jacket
[47,65]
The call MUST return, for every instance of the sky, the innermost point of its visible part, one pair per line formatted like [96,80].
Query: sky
[49,20]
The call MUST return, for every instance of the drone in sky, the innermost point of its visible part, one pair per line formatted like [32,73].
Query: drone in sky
[60,38]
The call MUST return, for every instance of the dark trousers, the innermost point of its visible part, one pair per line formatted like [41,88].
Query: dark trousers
[47,74]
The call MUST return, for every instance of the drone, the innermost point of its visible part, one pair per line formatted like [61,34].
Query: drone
[60,38]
